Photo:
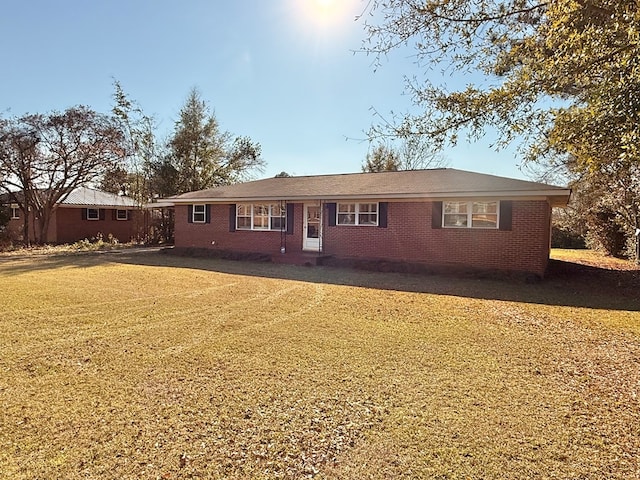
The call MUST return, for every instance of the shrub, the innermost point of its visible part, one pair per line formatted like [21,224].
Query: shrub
[605,233]
[565,238]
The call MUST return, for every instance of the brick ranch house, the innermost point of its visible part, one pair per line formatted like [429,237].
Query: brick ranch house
[439,218]
[84,213]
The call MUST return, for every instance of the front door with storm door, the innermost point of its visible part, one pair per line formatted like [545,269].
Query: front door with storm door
[312,235]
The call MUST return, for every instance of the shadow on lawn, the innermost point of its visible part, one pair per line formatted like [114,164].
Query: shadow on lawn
[566,284]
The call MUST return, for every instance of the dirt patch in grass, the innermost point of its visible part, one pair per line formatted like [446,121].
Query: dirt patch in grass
[150,366]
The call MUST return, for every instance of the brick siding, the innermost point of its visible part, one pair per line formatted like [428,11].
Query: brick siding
[67,226]
[71,227]
[409,237]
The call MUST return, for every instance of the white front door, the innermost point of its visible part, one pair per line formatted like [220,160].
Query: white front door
[312,235]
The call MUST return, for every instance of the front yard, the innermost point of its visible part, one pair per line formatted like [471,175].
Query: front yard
[129,365]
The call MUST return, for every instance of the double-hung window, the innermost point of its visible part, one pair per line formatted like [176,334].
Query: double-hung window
[357,214]
[470,214]
[93,214]
[15,211]
[260,216]
[278,217]
[243,217]
[122,215]
[199,214]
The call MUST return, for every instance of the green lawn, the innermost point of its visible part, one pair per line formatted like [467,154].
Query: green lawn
[126,365]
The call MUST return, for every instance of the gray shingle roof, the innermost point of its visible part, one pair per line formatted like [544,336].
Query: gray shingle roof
[412,184]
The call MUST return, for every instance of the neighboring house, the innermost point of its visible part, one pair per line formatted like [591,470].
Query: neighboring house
[440,218]
[85,213]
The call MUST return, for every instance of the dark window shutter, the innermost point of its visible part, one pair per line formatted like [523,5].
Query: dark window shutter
[506,207]
[83,213]
[114,214]
[436,214]
[331,214]
[128,215]
[101,214]
[190,214]
[232,217]
[290,208]
[207,213]
[382,214]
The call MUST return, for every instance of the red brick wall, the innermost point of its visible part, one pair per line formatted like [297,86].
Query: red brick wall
[70,226]
[15,227]
[408,237]
[216,235]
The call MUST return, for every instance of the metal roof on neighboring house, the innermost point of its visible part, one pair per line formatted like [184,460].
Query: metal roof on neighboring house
[85,197]
[409,184]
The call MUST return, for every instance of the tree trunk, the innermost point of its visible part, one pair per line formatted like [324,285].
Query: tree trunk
[43,226]
[25,227]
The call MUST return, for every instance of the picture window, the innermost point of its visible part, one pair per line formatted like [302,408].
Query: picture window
[261,216]
[357,214]
[470,214]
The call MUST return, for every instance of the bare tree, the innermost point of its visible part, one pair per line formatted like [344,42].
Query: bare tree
[18,166]
[414,153]
[47,156]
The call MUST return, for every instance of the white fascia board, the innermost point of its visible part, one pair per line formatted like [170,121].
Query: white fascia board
[160,204]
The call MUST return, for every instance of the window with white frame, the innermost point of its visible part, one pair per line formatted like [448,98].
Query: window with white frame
[260,216]
[199,214]
[93,214]
[470,214]
[278,217]
[243,217]
[15,211]
[357,214]
[122,215]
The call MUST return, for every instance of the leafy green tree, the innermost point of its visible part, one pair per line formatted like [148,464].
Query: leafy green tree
[561,78]
[203,155]
[542,68]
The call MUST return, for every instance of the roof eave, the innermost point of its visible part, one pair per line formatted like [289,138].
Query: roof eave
[96,205]
[557,197]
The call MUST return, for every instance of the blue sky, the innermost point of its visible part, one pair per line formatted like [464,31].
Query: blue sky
[282,72]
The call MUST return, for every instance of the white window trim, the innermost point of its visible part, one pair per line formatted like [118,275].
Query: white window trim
[470,214]
[203,213]
[357,214]
[126,214]
[271,216]
[15,211]
[89,217]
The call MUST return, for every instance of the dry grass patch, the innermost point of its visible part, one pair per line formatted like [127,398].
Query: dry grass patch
[593,258]
[148,366]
